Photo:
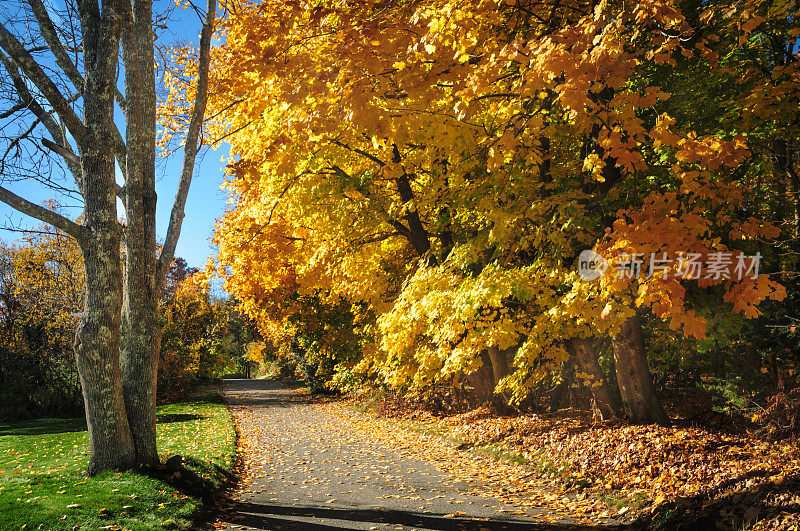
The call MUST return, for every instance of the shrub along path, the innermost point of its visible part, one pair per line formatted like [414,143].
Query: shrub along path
[311,464]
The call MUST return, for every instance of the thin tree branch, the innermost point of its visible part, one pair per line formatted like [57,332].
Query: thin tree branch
[399,227]
[72,158]
[229,133]
[48,32]
[79,232]
[68,155]
[375,238]
[269,217]
[15,143]
[16,108]
[361,152]
[30,231]
[191,145]
[38,77]
[45,117]
[230,105]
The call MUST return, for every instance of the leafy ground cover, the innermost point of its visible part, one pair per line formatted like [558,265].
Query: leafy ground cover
[42,485]
[659,476]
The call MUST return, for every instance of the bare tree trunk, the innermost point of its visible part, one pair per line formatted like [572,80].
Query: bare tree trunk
[633,375]
[606,395]
[139,356]
[97,358]
[559,397]
[98,335]
[783,154]
[482,380]
[144,273]
[139,359]
[495,366]
[501,364]
[141,333]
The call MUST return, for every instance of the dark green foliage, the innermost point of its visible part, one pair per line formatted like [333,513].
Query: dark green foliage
[33,385]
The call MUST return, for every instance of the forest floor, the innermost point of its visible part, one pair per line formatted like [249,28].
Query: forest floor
[312,462]
[716,475]
[316,464]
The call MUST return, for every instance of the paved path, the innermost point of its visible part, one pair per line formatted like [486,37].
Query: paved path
[306,468]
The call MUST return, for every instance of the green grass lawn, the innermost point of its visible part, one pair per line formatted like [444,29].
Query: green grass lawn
[43,486]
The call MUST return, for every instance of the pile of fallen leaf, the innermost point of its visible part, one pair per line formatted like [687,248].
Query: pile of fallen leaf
[670,475]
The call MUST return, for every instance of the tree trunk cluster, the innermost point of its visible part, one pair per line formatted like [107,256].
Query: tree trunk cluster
[631,395]
[118,336]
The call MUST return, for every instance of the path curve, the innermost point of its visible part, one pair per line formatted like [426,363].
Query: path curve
[306,468]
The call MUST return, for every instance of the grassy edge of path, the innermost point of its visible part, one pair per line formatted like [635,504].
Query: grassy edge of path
[42,485]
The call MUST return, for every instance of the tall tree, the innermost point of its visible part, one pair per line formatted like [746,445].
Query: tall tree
[45,83]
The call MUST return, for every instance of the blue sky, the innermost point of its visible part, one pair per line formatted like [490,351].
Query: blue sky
[206,201]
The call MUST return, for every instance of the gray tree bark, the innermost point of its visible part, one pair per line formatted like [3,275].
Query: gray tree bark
[606,395]
[633,375]
[141,333]
[144,273]
[98,336]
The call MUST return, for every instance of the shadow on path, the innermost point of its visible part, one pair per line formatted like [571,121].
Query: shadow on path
[261,516]
[261,394]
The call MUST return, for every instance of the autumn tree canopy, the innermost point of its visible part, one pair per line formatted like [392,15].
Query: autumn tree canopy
[442,164]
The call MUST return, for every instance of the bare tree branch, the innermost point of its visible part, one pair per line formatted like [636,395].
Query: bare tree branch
[191,145]
[79,232]
[45,117]
[15,143]
[68,155]
[361,152]
[38,77]
[16,108]
[48,32]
